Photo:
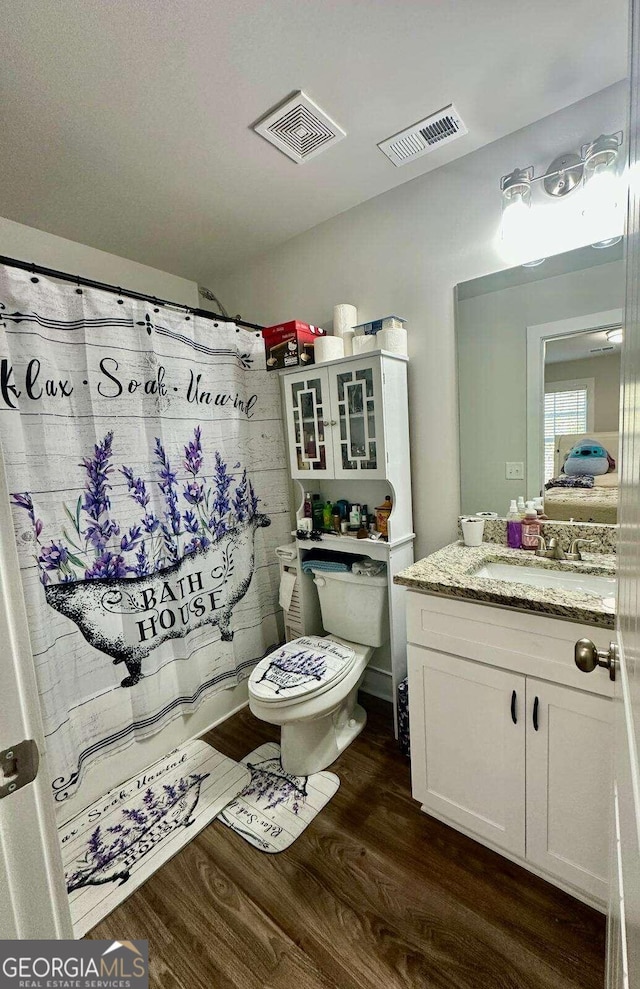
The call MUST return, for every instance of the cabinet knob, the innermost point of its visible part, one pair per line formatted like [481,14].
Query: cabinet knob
[587,657]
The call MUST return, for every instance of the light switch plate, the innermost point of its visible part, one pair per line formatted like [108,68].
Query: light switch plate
[514,470]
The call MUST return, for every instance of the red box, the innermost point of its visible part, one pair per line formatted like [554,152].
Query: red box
[290,344]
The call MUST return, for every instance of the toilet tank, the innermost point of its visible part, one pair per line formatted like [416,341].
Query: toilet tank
[354,606]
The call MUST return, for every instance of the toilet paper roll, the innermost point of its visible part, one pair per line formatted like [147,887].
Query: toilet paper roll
[328,349]
[393,339]
[347,339]
[361,345]
[287,586]
[287,552]
[345,317]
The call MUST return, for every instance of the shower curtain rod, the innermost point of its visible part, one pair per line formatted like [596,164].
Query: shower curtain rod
[38,269]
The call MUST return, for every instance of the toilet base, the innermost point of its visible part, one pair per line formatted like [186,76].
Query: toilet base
[309,746]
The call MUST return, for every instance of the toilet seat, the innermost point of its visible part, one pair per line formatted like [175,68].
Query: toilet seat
[301,669]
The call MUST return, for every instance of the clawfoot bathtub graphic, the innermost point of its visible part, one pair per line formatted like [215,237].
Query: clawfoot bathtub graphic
[127,618]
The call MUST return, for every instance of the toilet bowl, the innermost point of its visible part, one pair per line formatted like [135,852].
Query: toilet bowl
[310,686]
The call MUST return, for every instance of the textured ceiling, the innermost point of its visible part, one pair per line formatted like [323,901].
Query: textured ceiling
[126,123]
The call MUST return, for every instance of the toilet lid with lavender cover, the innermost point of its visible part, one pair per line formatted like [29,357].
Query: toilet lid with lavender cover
[304,666]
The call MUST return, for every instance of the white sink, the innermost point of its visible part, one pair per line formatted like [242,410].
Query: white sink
[587,583]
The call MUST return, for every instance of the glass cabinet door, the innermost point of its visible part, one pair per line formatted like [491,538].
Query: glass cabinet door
[309,425]
[356,403]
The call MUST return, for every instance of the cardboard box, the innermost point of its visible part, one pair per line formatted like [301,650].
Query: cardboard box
[375,325]
[290,344]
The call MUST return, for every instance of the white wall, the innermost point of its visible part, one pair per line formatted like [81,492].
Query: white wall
[403,252]
[27,243]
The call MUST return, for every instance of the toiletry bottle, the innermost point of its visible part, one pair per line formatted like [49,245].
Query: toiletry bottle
[521,505]
[317,512]
[531,528]
[364,517]
[327,517]
[514,526]
[335,519]
[354,518]
[538,504]
[307,508]
[382,517]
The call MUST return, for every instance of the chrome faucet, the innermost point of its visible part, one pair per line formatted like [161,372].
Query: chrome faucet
[574,551]
[554,551]
[551,550]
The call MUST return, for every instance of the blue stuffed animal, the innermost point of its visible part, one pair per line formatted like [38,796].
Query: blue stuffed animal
[586,457]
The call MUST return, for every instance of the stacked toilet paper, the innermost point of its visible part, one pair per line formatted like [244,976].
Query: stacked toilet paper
[345,317]
[328,349]
[393,339]
[364,344]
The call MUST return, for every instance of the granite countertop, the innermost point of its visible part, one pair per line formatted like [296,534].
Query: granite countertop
[451,572]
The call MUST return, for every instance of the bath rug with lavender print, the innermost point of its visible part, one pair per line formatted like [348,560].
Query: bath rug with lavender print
[275,807]
[119,841]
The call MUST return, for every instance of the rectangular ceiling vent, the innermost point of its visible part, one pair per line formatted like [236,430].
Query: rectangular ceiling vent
[432,132]
[299,128]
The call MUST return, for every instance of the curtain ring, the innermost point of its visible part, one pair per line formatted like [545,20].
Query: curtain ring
[78,289]
[33,273]
[120,301]
[155,304]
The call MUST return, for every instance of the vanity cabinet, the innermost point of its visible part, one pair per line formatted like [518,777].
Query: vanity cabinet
[519,761]
[340,416]
[467,754]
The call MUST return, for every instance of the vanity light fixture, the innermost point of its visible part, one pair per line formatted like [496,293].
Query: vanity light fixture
[524,229]
[615,336]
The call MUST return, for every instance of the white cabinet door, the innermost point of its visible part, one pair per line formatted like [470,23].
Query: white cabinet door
[308,413]
[468,745]
[569,781]
[358,433]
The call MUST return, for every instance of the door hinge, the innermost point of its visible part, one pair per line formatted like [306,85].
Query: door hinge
[18,766]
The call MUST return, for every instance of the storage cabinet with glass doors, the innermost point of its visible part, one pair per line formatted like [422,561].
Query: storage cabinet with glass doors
[335,420]
[348,433]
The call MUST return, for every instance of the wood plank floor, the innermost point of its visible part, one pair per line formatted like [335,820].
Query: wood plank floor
[374,895]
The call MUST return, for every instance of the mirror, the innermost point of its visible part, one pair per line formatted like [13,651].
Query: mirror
[538,352]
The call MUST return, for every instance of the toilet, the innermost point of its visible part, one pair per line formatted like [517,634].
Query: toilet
[310,685]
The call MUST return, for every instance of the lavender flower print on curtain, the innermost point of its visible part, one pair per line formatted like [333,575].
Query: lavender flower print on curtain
[145,459]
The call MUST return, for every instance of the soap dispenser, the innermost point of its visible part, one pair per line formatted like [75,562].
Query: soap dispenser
[514,526]
[531,528]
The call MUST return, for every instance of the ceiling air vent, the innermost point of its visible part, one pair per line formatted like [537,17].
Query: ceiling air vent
[299,128]
[423,137]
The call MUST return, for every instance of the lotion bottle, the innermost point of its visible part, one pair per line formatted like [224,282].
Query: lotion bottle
[307,508]
[531,528]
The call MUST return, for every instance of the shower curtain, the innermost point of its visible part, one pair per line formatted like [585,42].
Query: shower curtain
[145,461]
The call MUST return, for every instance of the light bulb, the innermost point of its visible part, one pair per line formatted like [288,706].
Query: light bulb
[519,240]
[515,216]
[601,206]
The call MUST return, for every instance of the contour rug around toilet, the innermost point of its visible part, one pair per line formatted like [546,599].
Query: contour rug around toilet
[310,686]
